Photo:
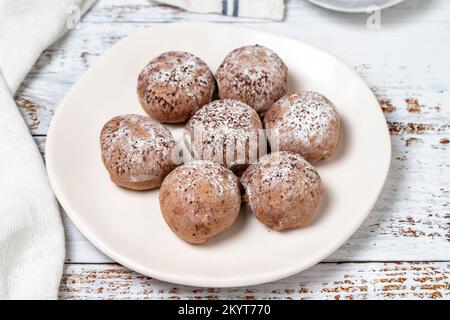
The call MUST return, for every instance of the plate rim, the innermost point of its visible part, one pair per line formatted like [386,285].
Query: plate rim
[208,281]
[353,10]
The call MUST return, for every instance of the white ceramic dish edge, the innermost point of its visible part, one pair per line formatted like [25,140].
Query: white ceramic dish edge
[362,9]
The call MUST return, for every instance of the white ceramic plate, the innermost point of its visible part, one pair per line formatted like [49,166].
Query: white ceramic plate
[128,226]
[354,5]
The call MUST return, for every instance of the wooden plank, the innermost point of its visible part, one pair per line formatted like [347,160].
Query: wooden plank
[390,75]
[323,281]
[409,222]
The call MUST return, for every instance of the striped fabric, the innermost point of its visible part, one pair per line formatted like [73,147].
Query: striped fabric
[260,9]
[230,7]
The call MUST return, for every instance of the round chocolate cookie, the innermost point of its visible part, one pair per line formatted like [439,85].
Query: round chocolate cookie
[283,190]
[253,74]
[304,122]
[228,132]
[136,151]
[200,200]
[174,85]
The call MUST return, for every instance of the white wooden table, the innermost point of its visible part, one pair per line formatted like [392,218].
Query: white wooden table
[403,248]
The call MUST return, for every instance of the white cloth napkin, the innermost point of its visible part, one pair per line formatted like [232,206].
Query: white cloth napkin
[262,9]
[31,233]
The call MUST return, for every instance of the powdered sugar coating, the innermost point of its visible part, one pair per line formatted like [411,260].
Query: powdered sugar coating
[228,132]
[283,190]
[137,151]
[200,200]
[305,122]
[253,74]
[174,85]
